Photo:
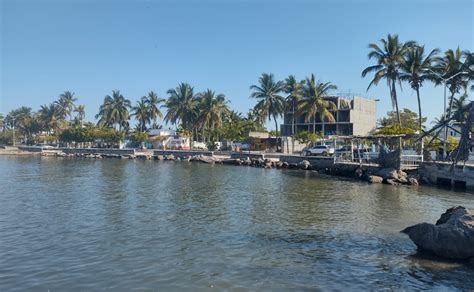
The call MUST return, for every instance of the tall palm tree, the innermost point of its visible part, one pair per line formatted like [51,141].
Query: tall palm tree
[469,66]
[114,111]
[50,116]
[24,120]
[142,114]
[212,109]
[182,106]
[293,89]
[451,68]
[81,113]
[270,103]
[153,102]
[460,108]
[313,101]
[66,104]
[2,122]
[415,68]
[388,59]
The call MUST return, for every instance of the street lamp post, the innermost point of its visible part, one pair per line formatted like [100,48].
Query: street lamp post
[445,81]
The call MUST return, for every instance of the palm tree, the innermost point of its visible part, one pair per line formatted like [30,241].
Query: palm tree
[469,66]
[460,108]
[153,103]
[415,68]
[2,122]
[23,120]
[388,59]
[212,109]
[114,111]
[451,68]
[270,102]
[293,89]
[50,116]
[313,101]
[81,113]
[66,104]
[182,106]
[142,114]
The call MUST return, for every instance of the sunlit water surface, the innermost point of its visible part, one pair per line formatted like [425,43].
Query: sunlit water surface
[125,224]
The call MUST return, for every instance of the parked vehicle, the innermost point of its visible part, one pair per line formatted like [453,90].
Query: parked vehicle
[323,150]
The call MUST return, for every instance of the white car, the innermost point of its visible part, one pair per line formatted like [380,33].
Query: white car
[323,150]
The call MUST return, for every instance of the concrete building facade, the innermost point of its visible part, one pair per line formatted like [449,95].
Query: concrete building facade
[356,116]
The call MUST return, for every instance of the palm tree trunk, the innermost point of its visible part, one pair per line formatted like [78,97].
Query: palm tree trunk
[276,126]
[393,92]
[323,126]
[293,120]
[314,124]
[420,119]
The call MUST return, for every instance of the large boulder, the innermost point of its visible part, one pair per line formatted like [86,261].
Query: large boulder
[304,164]
[374,179]
[388,173]
[452,236]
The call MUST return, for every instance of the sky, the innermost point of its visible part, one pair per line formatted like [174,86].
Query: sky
[94,47]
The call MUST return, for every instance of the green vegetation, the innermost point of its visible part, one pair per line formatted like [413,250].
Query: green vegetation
[207,116]
[398,62]
[306,137]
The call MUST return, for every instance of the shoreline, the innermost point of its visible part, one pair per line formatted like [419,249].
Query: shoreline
[320,165]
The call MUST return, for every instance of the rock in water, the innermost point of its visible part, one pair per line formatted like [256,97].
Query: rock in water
[452,236]
[304,164]
[373,179]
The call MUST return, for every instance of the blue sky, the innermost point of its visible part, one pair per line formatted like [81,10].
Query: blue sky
[93,47]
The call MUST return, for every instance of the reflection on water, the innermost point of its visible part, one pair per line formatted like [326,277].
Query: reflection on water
[120,224]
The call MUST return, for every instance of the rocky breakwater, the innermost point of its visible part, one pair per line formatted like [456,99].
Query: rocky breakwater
[256,162]
[451,237]
[389,176]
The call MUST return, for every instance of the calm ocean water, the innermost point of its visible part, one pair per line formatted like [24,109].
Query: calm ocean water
[128,224]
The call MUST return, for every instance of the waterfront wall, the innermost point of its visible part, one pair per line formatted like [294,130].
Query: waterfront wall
[181,153]
[316,162]
[445,174]
[243,155]
[30,148]
[105,151]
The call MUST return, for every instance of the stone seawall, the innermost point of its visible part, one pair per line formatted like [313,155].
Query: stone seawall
[316,162]
[105,151]
[181,153]
[243,155]
[444,174]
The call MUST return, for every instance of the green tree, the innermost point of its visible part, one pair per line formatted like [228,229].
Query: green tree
[294,90]
[114,111]
[415,68]
[142,114]
[460,108]
[306,137]
[24,121]
[313,101]
[212,108]
[51,116]
[388,59]
[81,114]
[2,122]
[270,102]
[451,67]
[153,102]
[409,119]
[65,104]
[182,106]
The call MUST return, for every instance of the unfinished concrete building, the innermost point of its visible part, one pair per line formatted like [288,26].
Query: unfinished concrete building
[356,116]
